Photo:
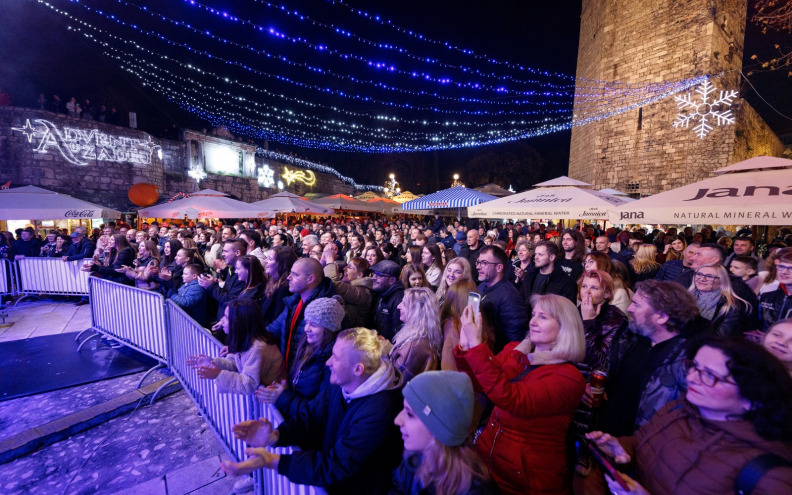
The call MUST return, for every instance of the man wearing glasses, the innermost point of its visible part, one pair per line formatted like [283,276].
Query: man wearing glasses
[387,318]
[776,305]
[501,304]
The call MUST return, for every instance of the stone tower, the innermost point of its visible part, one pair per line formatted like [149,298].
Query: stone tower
[652,41]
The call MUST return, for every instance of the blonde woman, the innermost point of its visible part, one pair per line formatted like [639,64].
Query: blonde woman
[644,265]
[717,301]
[535,390]
[416,347]
[451,315]
[455,269]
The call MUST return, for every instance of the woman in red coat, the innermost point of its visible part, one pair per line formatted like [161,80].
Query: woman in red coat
[535,390]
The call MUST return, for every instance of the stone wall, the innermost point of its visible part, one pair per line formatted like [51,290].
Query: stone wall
[640,41]
[74,160]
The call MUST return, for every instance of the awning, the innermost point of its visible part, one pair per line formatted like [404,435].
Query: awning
[35,203]
[550,202]
[207,203]
[455,197]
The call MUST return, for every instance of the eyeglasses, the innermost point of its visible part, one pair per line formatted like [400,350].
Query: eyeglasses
[485,263]
[705,276]
[707,378]
[783,268]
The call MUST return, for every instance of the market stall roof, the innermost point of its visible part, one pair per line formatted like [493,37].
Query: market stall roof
[286,202]
[561,181]
[495,190]
[367,196]
[405,196]
[455,197]
[550,202]
[206,203]
[342,202]
[386,206]
[36,203]
[756,191]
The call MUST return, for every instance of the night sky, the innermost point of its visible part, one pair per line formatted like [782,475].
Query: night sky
[39,54]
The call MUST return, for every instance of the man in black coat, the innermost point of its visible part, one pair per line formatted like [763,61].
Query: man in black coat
[349,443]
[470,252]
[27,245]
[546,276]
[81,247]
[387,317]
[232,249]
[501,304]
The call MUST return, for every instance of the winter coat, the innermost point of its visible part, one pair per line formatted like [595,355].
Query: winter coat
[387,319]
[280,327]
[272,307]
[502,306]
[472,256]
[358,299]
[599,332]
[225,294]
[433,275]
[405,482]
[733,322]
[80,250]
[254,294]
[680,453]
[524,442]
[774,306]
[307,382]
[751,321]
[671,270]
[243,372]
[192,299]
[413,357]
[558,283]
[29,249]
[125,258]
[349,442]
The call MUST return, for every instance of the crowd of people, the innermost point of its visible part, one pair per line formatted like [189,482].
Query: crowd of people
[413,356]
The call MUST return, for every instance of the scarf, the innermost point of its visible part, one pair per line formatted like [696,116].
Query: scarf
[707,302]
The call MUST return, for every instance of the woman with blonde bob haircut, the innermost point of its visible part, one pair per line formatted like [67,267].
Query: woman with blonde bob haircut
[535,390]
[455,269]
[417,346]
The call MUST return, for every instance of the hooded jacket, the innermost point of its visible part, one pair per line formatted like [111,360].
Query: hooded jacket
[387,320]
[678,452]
[350,444]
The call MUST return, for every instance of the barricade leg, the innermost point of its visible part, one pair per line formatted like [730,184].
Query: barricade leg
[155,368]
[94,336]
[77,338]
[163,387]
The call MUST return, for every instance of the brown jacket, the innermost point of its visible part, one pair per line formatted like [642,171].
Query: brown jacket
[678,452]
[358,301]
[414,357]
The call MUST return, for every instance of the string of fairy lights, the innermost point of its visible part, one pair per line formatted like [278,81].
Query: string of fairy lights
[349,92]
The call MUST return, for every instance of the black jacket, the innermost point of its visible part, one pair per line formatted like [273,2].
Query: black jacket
[472,256]
[80,250]
[504,309]
[405,483]
[349,447]
[306,383]
[751,321]
[558,283]
[387,319]
[272,307]
[125,258]
[29,249]
[774,306]
[227,293]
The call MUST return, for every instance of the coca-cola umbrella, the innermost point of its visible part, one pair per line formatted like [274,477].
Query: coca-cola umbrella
[205,204]
[35,203]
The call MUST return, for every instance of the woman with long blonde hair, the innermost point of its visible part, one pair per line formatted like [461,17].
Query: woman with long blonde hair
[718,303]
[451,315]
[455,269]
[416,347]
[644,264]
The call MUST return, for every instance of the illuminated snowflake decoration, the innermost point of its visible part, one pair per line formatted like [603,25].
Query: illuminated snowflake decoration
[266,176]
[197,174]
[703,111]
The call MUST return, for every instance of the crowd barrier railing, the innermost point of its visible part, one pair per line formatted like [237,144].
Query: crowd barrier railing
[50,276]
[132,316]
[6,285]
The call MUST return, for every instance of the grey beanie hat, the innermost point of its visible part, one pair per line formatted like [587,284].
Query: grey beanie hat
[443,400]
[325,312]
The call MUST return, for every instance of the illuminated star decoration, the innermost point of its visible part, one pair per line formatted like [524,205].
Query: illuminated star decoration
[28,131]
[305,176]
[703,109]
[197,174]
[266,176]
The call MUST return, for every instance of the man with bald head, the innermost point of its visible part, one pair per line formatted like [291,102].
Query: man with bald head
[603,245]
[470,252]
[306,283]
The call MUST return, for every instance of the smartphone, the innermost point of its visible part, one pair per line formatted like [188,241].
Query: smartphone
[474,300]
[602,458]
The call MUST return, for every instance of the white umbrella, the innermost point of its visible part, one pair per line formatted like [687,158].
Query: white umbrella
[756,191]
[550,202]
[562,181]
[405,196]
[342,202]
[35,203]
[614,192]
[367,196]
[286,202]
[385,205]
[205,204]
[495,190]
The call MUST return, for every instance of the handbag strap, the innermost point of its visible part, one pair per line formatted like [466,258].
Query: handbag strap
[753,471]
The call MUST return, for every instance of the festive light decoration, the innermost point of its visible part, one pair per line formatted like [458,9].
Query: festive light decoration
[457,182]
[78,146]
[391,186]
[305,176]
[197,174]
[266,176]
[704,109]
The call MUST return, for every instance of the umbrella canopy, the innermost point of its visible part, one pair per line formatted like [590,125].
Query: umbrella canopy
[561,181]
[205,204]
[387,206]
[757,191]
[290,203]
[342,202]
[367,196]
[35,203]
[455,197]
[405,196]
[495,190]
[550,202]
[614,192]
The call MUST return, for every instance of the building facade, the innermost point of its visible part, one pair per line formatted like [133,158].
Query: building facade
[653,41]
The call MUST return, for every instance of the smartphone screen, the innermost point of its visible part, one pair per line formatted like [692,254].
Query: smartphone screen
[474,300]
[603,460]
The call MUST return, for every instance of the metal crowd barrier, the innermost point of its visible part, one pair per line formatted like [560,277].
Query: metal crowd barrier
[6,286]
[132,316]
[50,276]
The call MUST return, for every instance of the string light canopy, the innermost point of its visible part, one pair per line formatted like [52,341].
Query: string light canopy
[271,72]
